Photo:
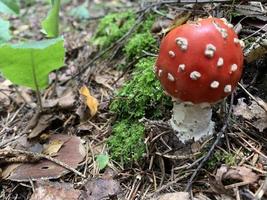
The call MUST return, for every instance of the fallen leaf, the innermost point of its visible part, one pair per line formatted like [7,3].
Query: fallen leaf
[160,25]
[241,173]
[43,122]
[53,147]
[259,49]
[67,101]
[174,196]
[54,190]
[255,113]
[103,80]
[90,101]
[71,154]
[100,188]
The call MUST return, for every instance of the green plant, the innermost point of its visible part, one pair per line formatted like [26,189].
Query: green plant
[127,141]
[142,95]
[50,24]
[112,27]
[9,6]
[4,31]
[221,157]
[102,161]
[29,63]
[138,43]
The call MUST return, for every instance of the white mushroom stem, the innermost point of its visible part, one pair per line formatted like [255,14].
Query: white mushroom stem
[192,121]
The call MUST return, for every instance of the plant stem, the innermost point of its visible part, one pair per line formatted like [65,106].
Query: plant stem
[38,93]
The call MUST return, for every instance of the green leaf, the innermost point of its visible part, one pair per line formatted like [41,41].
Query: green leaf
[31,62]
[80,12]
[4,31]
[9,6]
[102,160]
[50,24]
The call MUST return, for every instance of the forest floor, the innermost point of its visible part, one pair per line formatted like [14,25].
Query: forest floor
[95,139]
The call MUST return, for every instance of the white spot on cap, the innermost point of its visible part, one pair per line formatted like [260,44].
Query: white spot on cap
[224,20]
[182,43]
[230,25]
[224,33]
[210,50]
[236,40]
[181,68]
[195,75]
[233,67]
[214,84]
[228,89]
[170,77]
[171,54]
[242,44]
[216,26]
[220,62]
[160,72]
[221,30]
[227,23]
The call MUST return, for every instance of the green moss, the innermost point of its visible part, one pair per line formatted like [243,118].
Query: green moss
[112,27]
[220,157]
[139,42]
[147,23]
[127,141]
[142,95]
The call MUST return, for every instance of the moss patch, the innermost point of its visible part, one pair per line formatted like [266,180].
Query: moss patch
[127,142]
[138,43]
[112,27]
[141,96]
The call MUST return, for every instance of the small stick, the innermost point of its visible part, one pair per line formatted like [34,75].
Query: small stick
[261,104]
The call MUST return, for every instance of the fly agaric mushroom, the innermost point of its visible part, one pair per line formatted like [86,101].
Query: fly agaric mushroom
[199,64]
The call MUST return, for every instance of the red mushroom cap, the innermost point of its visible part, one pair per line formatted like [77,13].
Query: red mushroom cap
[200,62]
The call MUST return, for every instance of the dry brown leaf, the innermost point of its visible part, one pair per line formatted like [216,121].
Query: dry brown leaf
[53,147]
[43,122]
[55,191]
[181,196]
[71,154]
[67,101]
[161,24]
[101,188]
[255,113]
[174,196]
[239,173]
[90,101]
[259,50]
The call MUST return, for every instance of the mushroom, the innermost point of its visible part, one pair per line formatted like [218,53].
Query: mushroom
[198,65]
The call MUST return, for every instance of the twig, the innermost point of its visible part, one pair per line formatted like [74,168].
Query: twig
[261,104]
[167,185]
[219,135]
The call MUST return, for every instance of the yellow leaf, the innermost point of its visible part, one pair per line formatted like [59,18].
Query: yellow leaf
[53,147]
[91,101]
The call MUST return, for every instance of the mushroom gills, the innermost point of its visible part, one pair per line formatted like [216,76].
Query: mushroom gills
[192,121]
